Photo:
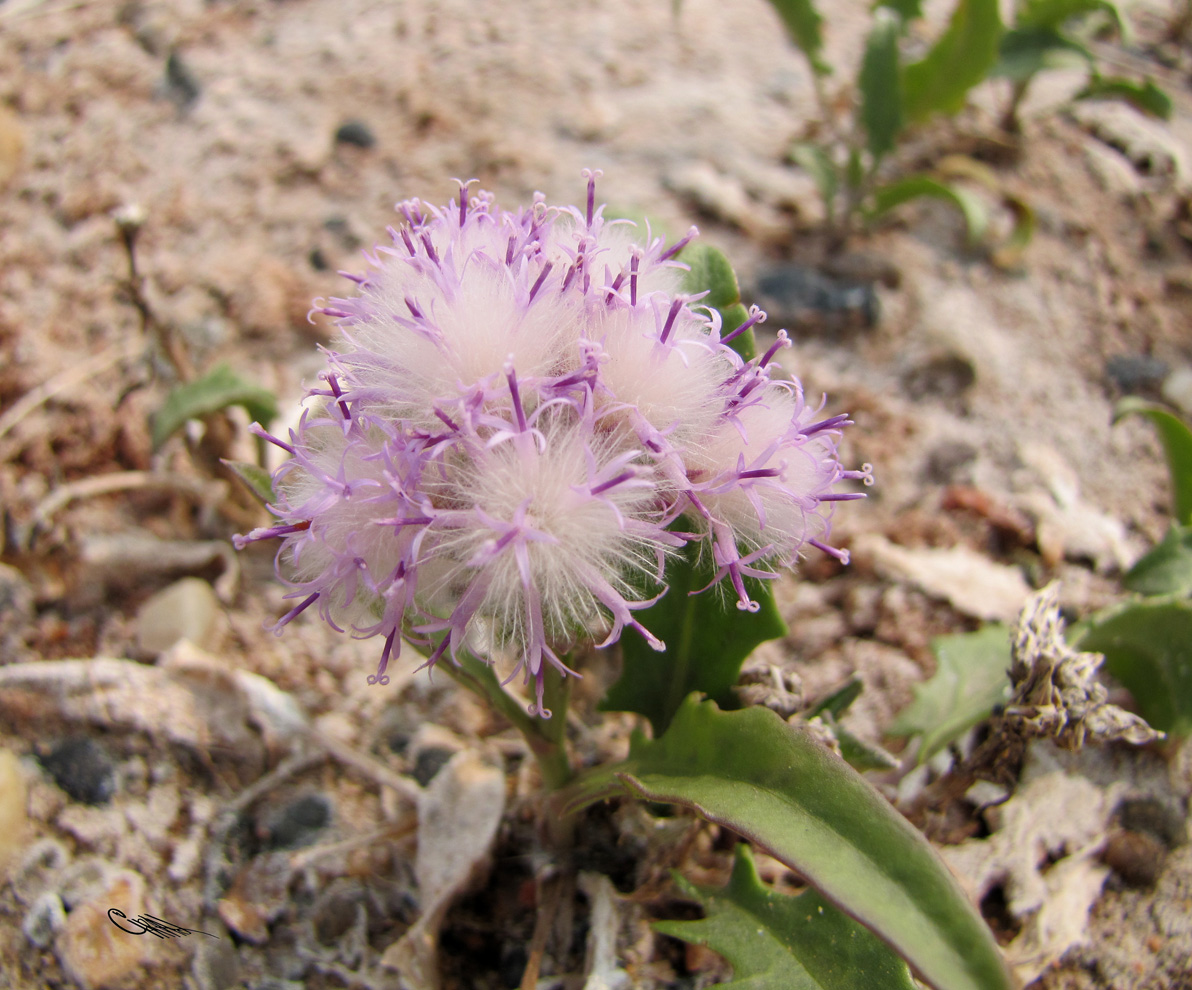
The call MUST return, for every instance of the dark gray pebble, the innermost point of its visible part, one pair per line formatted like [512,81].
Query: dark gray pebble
[83,769]
[430,761]
[299,822]
[1136,372]
[795,295]
[356,133]
[181,85]
[945,376]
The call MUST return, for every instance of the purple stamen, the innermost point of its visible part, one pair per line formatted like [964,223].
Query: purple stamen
[295,612]
[841,555]
[679,245]
[380,676]
[755,316]
[258,431]
[865,475]
[670,319]
[591,175]
[343,406]
[782,341]
[450,423]
[509,250]
[541,278]
[511,377]
[409,241]
[430,248]
[827,424]
[606,485]
[413,308]
[633,262]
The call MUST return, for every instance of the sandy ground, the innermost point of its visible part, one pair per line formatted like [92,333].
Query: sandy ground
[982,396]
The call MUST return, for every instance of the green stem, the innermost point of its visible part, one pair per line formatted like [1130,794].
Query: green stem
[547,738]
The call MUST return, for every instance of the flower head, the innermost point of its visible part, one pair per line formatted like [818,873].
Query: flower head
[519,409]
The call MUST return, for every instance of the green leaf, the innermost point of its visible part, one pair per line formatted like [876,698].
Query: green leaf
[212,393]
[1148,647]
[840,700]
[707,639]
[711,271]
[1144,96]
[971,206]
[970,679]
[908,10]
[1026,51]
[816,163]
[774,785]
[960,59]
[777,942]
[255,478]
[1167,568]
[1177,444]
[803,24]
[1053,13]
[881,85]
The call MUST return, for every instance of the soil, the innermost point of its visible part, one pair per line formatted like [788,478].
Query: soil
[261,145]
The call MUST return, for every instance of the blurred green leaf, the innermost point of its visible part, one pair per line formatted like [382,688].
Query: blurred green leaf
[707,639]
[803,24]
[881,84]
[971,206]
[1009,253]
[970,680]
[212,393]
[256,479]
[1024,52]
[1148,647]
[840,700]
[1053,13]
[777,942]
[959,60]
[908,10]
[1177,444]
[816,163]
[1167,568]
[711,271]
[772,784]
[1144,96]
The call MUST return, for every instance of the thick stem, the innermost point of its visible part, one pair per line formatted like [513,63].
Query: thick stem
[545,737]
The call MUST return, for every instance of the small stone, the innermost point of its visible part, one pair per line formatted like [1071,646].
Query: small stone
[795,295]
[16,611]
[95,952]
[1177,389]
[299,822]
[187,609]
[45,920]
[1136,857]
[429,762]
[14,821]
[945,376]
[35,872]
[356,133]
[182,88]
[215,965]
[1134,373]
[947,461]
[83,769]
[1154,817]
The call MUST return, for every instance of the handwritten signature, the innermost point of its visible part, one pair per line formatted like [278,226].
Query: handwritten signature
[152,925]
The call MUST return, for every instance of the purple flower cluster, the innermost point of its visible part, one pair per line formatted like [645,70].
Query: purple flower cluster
[520,409]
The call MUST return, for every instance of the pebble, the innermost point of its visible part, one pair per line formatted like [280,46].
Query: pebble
[429,762]
[96,953]
[83,769]
[16,610]
[795,295]
[45,919]
[356,133]
[215,965]
[948,461]
[14,823]
[37,869]
[182,88]
[187,609]
[1135,373]
[945,376]
[299,822]
[1177,390]
[1137,857]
